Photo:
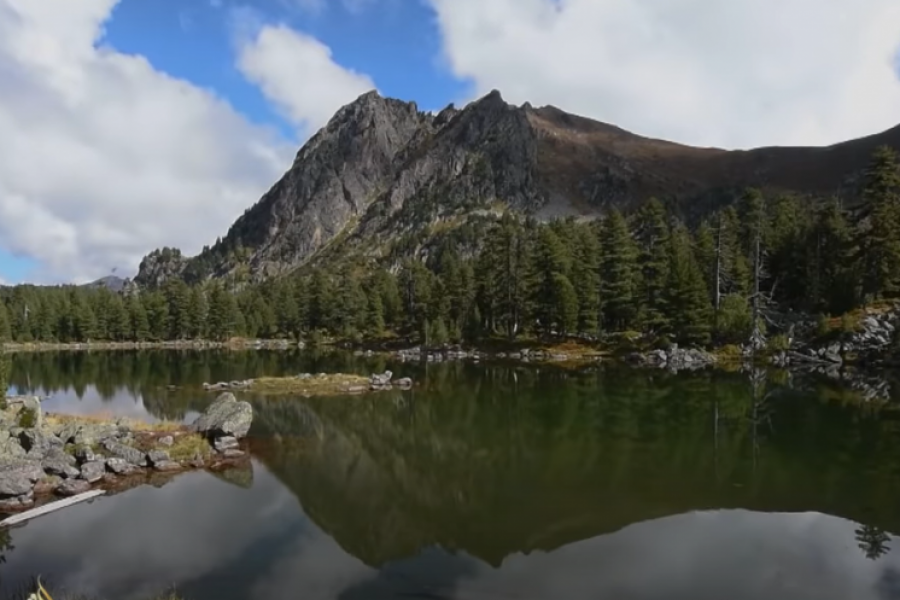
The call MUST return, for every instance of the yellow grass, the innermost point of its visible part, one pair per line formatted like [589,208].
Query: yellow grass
[329,385]
[103,417]
[188,446]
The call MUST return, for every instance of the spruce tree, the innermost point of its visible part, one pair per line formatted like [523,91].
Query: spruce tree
[197,309]
[139,324]
[618,281]
[881,194]
[652,236]
[586,279]
[688,301]
[5,329]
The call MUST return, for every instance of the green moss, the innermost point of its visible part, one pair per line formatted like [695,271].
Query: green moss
[27,418]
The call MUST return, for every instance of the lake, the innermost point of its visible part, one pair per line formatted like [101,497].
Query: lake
[484,482]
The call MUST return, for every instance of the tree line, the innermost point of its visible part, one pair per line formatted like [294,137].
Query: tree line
[647,272]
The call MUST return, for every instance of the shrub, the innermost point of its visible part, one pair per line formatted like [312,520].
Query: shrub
[779,343]
[823,327]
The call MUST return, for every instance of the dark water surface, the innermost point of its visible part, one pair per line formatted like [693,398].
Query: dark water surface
[485,482]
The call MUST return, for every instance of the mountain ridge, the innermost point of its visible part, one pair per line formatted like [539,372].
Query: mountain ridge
[381,173]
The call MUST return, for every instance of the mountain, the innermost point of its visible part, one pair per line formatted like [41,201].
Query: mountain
[116,284]
[383,178]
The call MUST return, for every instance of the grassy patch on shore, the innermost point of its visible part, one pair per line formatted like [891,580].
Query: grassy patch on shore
[331,384]
[188,447]
[108,418]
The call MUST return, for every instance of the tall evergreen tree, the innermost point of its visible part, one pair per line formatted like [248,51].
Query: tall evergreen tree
[652,235]
[618,281]
[688,302]
[881,193]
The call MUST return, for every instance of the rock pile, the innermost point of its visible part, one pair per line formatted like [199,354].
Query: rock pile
[674,358]
[384,381]
[40,455]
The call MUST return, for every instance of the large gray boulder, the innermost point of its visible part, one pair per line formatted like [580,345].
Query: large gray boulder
[225,416]
[10,447]
[129,454]
[17,476]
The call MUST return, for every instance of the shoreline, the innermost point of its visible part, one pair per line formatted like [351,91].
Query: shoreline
[233,344]
[47,455]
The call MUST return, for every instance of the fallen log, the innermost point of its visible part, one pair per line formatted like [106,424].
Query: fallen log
[49,508]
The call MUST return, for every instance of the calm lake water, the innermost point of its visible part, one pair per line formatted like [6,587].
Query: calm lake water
[484,482]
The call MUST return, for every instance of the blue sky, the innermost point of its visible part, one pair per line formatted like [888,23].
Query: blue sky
[128,125]
[395,42]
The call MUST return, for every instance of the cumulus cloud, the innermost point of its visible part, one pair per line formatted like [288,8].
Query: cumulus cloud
[106,158]
[740,73]
[298,74]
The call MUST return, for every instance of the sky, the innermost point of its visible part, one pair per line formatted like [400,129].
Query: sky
[128,125]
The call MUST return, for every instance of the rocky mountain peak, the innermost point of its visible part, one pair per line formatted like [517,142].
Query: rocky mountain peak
[380,171]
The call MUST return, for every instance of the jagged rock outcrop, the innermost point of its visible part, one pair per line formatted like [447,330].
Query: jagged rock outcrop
[381,170]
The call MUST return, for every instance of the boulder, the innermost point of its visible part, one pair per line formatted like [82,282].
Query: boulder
[37,443]
[224,443]
[84,454]
[383,379]
[10,447]
[90,433]
[225,416]
[167,465]
[73,487]
[158,456]
[18,502]
[47,484]
[57,462]
[131,455]
[166,440]
[119,466]
[405,382]
[92,472]
[17,476]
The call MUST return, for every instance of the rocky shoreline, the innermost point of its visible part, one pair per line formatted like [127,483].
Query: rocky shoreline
[45,455]
[233,344]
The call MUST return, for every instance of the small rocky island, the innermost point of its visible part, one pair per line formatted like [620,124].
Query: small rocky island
[44,454]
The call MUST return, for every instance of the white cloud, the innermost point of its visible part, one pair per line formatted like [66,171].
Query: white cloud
[738,73]
[106,158]
[298,74]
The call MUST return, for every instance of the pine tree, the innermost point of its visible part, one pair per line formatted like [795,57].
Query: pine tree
[139,324]
[178,304]
[197,309]
[5,329]
[586,279]
[881,194]
[652,235]
[117,319]
[157,315]
[375,314]
[688,302]
[287,314]
[551,266]
[223,317]
[618,281]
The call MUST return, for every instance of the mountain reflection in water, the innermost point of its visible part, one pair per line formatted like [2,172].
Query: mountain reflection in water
[499,482]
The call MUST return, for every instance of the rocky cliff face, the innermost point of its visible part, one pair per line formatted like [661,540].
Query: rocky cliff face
[381,170]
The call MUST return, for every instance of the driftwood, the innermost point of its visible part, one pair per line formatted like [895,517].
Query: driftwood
[49,508]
